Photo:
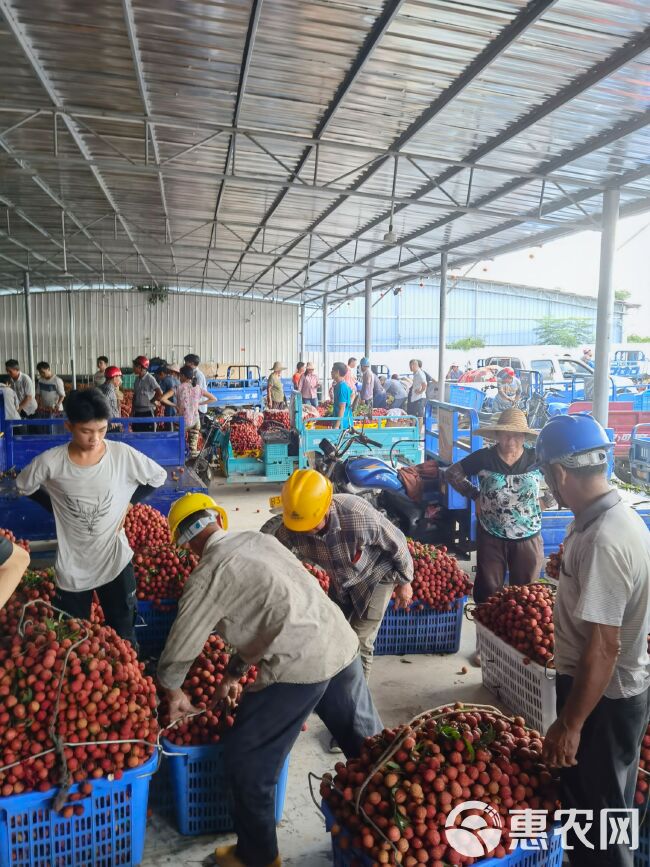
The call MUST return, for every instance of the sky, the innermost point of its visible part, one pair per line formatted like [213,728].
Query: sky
[572,264]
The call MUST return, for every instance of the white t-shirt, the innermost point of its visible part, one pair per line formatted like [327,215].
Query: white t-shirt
[10,403]
[24,387]
[89,504]
[419,380]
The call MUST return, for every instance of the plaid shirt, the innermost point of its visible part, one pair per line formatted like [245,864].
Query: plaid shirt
[359,548]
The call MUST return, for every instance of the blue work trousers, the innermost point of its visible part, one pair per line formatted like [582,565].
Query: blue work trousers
[268,724]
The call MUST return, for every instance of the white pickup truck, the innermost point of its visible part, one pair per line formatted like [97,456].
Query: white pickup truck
[554,368]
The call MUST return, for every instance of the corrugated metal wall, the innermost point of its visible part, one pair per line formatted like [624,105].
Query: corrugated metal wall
[123,324]
[501,314]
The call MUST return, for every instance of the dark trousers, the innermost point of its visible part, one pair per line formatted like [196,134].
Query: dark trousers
[522,558]
[143,413]
[605,776]
[117,599]
[268,724]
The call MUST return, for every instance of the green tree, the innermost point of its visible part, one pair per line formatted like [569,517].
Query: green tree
[622,294]
[563,332]
[467,343]
[638,338]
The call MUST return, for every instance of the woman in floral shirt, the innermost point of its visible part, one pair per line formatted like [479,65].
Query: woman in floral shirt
[508,502]
[189,397]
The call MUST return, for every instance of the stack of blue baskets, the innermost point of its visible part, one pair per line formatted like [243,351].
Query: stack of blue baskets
[421,629]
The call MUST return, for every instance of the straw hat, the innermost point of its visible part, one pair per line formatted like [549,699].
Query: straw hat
[277,366]
[510,421]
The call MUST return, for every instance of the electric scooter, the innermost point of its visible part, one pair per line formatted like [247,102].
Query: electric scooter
[376,481]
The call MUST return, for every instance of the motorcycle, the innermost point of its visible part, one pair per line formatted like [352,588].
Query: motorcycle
[376,481]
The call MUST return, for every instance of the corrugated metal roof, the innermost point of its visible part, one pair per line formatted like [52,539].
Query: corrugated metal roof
[265,147]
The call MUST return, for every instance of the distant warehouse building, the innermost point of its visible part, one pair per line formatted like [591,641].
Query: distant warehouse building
[502,314]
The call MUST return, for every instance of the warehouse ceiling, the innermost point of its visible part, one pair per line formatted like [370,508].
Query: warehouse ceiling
[289,149]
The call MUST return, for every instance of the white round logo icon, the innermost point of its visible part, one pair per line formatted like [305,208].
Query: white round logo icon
[478,835]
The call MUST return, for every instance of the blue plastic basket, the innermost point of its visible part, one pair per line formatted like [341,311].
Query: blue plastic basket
[202,801]
[275,451]
[157,619]
[462,395]
[280,469]
[109,833]
[642,401]
[554,527]
[550,857]
[414,631]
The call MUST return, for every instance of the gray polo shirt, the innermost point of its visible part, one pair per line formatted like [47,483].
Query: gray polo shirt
[144,389]
[605,579]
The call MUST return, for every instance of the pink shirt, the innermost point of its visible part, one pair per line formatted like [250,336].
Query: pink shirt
[351,379]
[308,385]
[187,402]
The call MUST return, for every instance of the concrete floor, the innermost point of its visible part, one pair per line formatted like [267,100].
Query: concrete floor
[402,687]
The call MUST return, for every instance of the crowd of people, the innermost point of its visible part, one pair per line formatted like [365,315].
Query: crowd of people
[314,653]
[181,391]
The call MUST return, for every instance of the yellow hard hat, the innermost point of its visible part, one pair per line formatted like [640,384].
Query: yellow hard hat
[306,497]
[187,505]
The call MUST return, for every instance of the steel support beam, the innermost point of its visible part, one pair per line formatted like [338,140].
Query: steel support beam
[442,327]
[149,129]
[249,45]
[326,373]
[379,28]
[301,336]
[552,205]
[72,336]
[28,326]
[584,82]
[641,206]
[520,23]
[605,310]
[367,333]
[367,153]
[26,46]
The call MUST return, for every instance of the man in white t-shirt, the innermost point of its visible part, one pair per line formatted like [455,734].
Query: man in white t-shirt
[89,484]
[24,388]
[418,393]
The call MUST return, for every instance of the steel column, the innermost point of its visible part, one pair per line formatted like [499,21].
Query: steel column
[442,327]
[301,337]
[605,310]
[72,334]
[324,341]
[28,326]
[368,325]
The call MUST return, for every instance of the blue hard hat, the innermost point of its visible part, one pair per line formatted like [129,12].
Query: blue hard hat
[364,362]
[567,435]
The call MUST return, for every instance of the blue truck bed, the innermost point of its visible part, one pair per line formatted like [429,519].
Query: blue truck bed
[28,520]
